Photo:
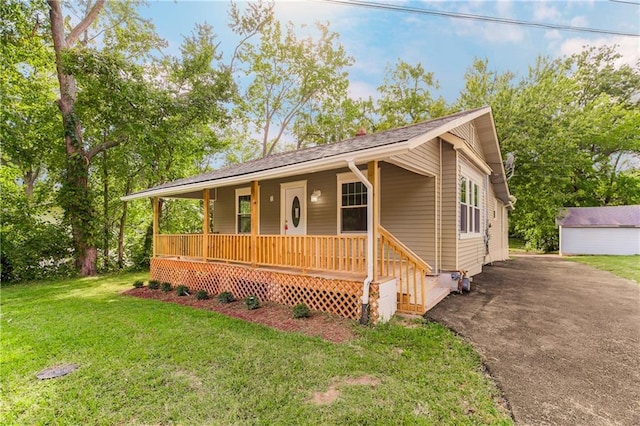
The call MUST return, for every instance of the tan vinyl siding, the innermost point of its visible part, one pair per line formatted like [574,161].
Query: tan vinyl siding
[495,211]
[224,221]
[471,253]
[270,210]
[407,209]
[449,199]
[425,158]
[469,133]
[321,216]
[472,249]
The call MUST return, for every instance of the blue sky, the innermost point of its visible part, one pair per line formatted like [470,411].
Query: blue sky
[445,46]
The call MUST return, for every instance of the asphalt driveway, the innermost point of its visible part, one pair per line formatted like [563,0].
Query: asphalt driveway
[561,339]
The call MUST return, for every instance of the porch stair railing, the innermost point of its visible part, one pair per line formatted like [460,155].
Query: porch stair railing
[397,260]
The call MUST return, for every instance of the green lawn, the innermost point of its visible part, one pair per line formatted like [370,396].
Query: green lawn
[623,266]
[148,362]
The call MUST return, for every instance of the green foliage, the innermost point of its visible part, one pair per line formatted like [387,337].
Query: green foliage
[225,297]
[405,97]
[622,266]
[252,302]
[35,243]
[301,310]
[165,287]
[154,284]
[182,290]
[287,74]
[138,283]
[201,295]
[571,125]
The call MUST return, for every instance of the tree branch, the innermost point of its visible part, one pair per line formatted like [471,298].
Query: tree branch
[103,147]
[73,36]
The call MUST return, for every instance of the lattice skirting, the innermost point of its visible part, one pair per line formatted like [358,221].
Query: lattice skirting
[336,296]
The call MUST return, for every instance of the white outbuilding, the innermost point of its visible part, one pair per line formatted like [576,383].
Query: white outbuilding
[613,230]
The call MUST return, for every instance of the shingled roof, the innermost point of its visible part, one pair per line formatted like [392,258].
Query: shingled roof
[602,217]
[356,146]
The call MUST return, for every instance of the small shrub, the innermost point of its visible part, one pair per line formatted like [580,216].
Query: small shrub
[301,311]
[182,290]
[201,295]
[138,283]
[154,284]
[166,287]
[225,297]
[252,302]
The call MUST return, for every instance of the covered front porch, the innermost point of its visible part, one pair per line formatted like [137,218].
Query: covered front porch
[340,273]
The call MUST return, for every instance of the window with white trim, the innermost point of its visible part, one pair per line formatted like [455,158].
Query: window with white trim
[469,206]
[243,211]
[352,205]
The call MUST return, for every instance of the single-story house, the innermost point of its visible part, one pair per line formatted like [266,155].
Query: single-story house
[365,227]
[613,230]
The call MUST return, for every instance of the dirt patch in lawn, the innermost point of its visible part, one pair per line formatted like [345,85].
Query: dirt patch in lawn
[323,398]
[319,324]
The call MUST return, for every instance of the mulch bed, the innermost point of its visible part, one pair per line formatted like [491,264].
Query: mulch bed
[320,324]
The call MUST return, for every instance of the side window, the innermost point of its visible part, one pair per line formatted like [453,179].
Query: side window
[469,206]
[464,206]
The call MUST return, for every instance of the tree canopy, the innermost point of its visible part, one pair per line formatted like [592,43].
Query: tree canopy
[91,112]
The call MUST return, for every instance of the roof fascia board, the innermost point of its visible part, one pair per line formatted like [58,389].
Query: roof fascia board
[426,137]
[459,144]
[319,164]
[499,163]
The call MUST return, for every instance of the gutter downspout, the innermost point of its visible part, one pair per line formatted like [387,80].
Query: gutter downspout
[364,318]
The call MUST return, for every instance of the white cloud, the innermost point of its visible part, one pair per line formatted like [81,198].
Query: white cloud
[504,8]
[361,89]
[491,32]
[579,21]
[542,11]
[628,47]
[553,35]
[308,12]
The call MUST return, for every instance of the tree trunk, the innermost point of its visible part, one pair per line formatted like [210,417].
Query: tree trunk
[75,195]
[30,178]
[123,220]
[105,207]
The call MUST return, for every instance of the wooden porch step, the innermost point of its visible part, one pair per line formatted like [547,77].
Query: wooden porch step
[435,295]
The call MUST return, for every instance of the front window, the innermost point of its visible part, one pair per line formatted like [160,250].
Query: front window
[243,211]
[353,207]
[469,206]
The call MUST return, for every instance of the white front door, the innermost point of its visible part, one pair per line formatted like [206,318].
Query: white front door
[294,208]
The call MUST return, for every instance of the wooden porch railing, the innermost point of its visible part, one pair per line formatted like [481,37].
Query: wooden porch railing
[397,260]
[229,247]
[339,253]
[188,245]
[323,252]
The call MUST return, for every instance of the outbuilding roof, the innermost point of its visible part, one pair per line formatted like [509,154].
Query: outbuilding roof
[358,149]
[602,217]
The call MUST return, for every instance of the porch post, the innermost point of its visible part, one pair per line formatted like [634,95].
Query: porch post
[374,178]
[156,224]
[205,224]
[254,222]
